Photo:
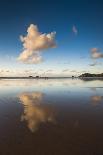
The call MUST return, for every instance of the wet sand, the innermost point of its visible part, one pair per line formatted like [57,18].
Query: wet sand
[51,117]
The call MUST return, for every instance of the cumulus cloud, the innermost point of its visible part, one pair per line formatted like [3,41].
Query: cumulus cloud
[34,43]
[96,53]
[74,29]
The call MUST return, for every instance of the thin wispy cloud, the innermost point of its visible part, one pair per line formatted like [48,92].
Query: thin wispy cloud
[93,64]
[65,70]
[50,70]
[73,71]
[34,43]
[96,53]
[10,57]
[82,57]
[67,62]
[74,30]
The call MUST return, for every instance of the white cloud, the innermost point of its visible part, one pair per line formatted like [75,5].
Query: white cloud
[34,43]
[30,57]
[96,53]
[74,29]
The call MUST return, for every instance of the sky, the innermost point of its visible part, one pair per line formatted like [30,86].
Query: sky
[51,38]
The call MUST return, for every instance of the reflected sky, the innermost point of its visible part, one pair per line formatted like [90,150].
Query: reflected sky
[50,86]
[54,115]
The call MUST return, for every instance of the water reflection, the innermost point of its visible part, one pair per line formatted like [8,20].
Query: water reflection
[35,110]
[66,116]
[96,99]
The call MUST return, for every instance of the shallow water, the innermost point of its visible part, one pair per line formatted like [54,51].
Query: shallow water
[51,117]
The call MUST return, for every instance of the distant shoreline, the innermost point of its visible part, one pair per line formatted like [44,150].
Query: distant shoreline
[89,75]
[34,77]
[80,77]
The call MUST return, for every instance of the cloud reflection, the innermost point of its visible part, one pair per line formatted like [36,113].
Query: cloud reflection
[35,111]
[96,99]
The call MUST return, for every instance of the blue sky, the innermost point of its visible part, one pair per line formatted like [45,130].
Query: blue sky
[78,26]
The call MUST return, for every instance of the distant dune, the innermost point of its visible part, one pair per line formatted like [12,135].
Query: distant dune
[91,75]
